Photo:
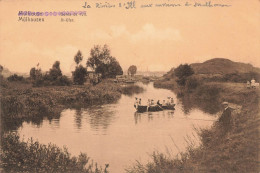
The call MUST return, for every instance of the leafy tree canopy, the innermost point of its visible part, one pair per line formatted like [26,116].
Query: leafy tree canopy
[102,62]
[132,70]
[78,57]
[183,71]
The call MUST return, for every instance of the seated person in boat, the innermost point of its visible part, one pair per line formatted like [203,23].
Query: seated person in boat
[148,103]
[158,103]
[172,101]
[140,101]
[163,103]
[152,102]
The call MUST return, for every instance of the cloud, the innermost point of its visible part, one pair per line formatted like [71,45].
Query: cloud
[148,32]
[100,34]
[118,31]
[25,55]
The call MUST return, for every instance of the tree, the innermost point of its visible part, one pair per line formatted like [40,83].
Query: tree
[35,73]
[102,62]
[1,69]
[15,77]
[55,71]
[132,70]
[79,75]
[78,57]
[182,72]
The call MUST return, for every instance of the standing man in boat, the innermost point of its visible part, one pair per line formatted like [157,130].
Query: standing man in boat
[136,102]
[140,101]
[225,118]
[168,101]
[148,104]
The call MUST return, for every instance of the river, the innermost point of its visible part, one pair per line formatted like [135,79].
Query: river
[115,134]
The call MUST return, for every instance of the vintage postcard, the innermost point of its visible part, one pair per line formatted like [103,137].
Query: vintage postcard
[137,86]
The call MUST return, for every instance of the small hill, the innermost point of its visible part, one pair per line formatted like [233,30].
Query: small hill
[220,66]
[223,66]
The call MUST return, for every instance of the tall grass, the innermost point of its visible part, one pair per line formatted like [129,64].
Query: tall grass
[30,156]
[167,84]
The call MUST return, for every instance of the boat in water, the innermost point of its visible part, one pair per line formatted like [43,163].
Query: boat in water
[154,108]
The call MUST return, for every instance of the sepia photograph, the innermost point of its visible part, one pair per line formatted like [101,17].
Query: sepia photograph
[129,86]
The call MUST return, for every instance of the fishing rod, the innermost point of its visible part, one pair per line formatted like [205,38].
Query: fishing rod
[196,119]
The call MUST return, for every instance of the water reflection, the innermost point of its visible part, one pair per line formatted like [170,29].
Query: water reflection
[211,106]
[137,117]
[78,118]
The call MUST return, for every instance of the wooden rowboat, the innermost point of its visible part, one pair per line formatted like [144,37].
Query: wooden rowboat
[154,108]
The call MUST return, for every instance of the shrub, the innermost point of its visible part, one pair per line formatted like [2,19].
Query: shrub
[15,77]
[3,82]
[182,72]
[191,83]
[168,84]
[31,156]
[79,75]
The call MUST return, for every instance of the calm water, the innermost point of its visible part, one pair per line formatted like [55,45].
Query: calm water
[115,134]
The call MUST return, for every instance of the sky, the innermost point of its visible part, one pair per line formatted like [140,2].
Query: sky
[154,39]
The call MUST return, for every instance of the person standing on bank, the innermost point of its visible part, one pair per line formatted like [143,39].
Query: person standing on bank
[225,118]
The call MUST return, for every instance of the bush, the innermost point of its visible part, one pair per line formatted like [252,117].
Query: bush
[3,82]
[182,72]
[191,83]
[31,156]
[15,77]
[168,84]
[79,75]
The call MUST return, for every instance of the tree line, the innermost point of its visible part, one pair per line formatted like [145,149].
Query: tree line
[100,61]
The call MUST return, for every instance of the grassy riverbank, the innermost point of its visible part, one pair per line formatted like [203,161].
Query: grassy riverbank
[22,102]
[26,101]
[18,155]
[235,152]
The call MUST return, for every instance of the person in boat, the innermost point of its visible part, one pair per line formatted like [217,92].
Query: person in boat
[152,103]
[136,102]
[168,101]
[148,104]
[140,101]
[163,103]
[172,101]
[158,103]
